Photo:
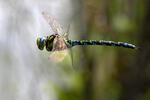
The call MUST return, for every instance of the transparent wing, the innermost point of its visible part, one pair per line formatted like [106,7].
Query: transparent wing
[71,57]
[59,50]
[59,44]
[66,34]
[56,27]
[58,56]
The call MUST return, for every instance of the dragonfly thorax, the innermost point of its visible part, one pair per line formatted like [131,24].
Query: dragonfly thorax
[49,42]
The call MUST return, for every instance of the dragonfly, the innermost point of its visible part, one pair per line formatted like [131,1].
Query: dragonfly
[59,42]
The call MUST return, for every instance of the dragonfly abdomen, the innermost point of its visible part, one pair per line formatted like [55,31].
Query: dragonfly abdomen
[101,42]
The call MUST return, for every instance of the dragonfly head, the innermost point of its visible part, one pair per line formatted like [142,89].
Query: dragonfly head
[41,42]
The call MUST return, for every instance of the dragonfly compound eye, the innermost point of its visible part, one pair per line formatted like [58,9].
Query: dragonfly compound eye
[41,43]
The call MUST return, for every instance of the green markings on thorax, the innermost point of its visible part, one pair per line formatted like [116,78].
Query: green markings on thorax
[51,37]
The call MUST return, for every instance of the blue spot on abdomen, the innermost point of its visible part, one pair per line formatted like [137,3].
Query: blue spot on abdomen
[74,43]
[125,44]
[85,43]
[93,43]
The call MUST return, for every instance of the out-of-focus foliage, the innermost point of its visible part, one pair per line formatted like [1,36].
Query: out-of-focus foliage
[98,73]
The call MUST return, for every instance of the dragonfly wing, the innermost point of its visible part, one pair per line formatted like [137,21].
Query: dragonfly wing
[59,44]
[59,51]
[71,57]
[66,34]
[58,56]
[56,27]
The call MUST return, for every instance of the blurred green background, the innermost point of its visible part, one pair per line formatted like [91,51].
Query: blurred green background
[102,73]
